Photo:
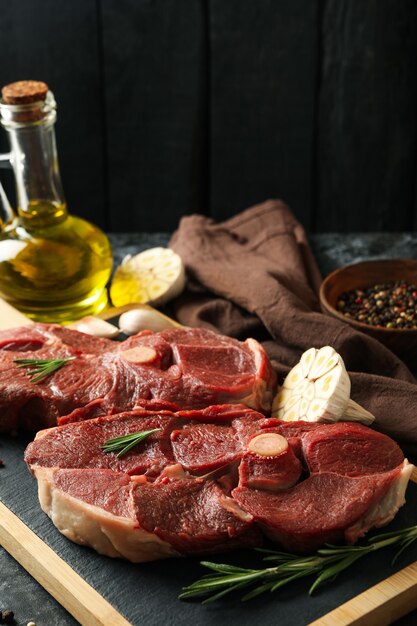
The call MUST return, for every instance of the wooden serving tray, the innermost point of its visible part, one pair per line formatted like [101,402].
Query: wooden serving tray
[11,317]
[52,560]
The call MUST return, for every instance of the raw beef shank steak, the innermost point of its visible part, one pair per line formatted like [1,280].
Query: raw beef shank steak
[215,479]
[190,368]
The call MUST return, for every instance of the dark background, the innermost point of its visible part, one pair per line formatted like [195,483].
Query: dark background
[168,107]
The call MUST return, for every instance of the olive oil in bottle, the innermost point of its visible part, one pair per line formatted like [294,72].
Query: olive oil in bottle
[54,266]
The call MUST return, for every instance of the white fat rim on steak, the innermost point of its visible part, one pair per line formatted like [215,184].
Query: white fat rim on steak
[89,525]
[386,509]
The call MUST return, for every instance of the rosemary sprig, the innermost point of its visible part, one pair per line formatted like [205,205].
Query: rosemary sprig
[38,369]
[325,565]
[126,442]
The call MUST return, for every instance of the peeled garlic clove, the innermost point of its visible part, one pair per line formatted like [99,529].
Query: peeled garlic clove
[95,326]
[135,320]
[317,389]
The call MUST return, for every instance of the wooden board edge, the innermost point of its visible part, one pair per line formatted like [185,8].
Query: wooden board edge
[11,317]
[81,600]
[379,605]
[113,312]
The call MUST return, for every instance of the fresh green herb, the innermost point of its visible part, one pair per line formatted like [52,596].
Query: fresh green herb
[126,442]
[38,369]
[325,564]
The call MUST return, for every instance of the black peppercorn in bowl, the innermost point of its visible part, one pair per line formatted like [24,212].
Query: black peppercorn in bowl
[378,298]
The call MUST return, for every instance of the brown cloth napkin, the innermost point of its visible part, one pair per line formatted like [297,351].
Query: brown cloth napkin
[255,275]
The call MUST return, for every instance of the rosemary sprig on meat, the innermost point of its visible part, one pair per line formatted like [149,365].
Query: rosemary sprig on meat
[126,442]
[325,565]
[38,369]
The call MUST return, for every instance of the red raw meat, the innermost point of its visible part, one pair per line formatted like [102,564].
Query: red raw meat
[178,492]
[318,510]
[190,368]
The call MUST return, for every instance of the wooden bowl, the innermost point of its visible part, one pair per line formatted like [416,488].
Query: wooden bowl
[402,342]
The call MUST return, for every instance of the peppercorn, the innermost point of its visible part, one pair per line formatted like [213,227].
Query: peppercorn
[7,617]
[389,305]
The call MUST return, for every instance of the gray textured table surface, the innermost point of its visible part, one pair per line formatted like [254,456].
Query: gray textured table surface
[24,595]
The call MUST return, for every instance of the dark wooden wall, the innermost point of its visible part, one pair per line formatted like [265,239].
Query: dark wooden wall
[168,107]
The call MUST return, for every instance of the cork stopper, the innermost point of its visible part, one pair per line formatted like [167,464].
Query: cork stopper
[24,92]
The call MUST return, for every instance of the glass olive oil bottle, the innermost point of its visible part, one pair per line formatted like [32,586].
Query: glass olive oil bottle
[54,266]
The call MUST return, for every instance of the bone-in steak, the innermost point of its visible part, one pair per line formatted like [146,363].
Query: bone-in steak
[215,479]
[175,368]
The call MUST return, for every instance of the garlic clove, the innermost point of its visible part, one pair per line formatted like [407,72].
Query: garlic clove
[292,414]
[282,398]
[307,360]
[95,326]
[295,377]
[326,358]
[317,411]
[135,320]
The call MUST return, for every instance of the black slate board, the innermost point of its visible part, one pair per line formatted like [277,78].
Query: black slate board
[147,593]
